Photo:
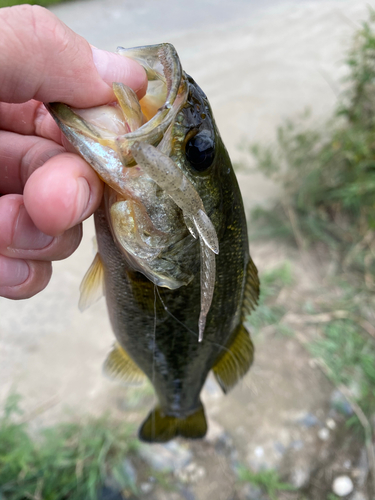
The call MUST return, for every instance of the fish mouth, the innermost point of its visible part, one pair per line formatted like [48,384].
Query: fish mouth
[105,136]
[129,143]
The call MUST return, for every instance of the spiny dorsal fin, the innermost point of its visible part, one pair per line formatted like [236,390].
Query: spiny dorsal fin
[235,361]
[160,428]
[92,286]
[251,292]
[119,366]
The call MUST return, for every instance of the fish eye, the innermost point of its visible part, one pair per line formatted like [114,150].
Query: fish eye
[200,151]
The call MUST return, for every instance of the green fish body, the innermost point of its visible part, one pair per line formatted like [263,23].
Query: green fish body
[173,255]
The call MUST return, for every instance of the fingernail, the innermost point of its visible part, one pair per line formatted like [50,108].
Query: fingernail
[13,272]
[101,61]
[26,235]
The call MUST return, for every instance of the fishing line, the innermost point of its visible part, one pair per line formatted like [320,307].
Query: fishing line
[196,334]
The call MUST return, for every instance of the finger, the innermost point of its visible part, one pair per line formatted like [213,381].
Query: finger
[41,58]
[20,279]
[21,239]
[29,118]
[62,193]
[20,156]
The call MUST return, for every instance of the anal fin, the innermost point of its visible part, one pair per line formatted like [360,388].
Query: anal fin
[119,366]
[234,363]
[92,286]
[160,428]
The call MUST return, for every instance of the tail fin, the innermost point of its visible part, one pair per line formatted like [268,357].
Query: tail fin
[160,428]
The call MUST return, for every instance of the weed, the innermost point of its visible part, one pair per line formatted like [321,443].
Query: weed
[268,480]
[67,461]
[268,312]
[350,358]
[43,3]
[328,174]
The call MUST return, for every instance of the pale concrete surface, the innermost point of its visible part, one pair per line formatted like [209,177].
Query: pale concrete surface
[258,62]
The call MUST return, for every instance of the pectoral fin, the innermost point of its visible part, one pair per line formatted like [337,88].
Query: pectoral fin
[236,360]
[160,428]
[92,286]
[119,366]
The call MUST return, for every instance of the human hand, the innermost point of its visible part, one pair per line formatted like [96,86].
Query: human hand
[46,190]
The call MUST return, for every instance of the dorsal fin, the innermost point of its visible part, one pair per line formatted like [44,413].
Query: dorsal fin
[160,428]
[92,286]
[234,363]
[251,292]
[119,366]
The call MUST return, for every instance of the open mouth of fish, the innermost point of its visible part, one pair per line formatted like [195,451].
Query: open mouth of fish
[151,204]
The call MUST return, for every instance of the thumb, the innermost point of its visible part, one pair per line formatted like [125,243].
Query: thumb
[41,58]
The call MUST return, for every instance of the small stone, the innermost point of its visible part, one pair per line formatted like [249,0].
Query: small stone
[309,420]
[279,447]
[323,434]
[212,389]
[342,486]
[331,424]
[168,457]
[107,493]
[340,403]
[361,471]
[251,492]
[192,473]
[187,494]
[312,363]
[146,488]
[129,471]
[259,451]
[358,495]
[300,477]
[297,444]
[215,432]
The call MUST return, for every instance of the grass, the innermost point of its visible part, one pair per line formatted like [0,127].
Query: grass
[43,3]
[350,358]
[268,480]
[268,311]
[69,461]
[342,344]
[327,175]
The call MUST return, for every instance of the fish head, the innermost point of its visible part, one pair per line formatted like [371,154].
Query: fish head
[161,159]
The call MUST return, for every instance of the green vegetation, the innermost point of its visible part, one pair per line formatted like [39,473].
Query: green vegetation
[328,174]
[268,480]
[43,3]
[268,311]
[67,461]
[350,358]
[328,203]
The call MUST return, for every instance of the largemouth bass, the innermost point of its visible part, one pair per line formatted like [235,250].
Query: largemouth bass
[173,255]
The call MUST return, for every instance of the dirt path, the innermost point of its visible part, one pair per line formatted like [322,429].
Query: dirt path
[258,66]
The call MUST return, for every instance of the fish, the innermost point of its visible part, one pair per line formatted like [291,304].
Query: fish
[173,255]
